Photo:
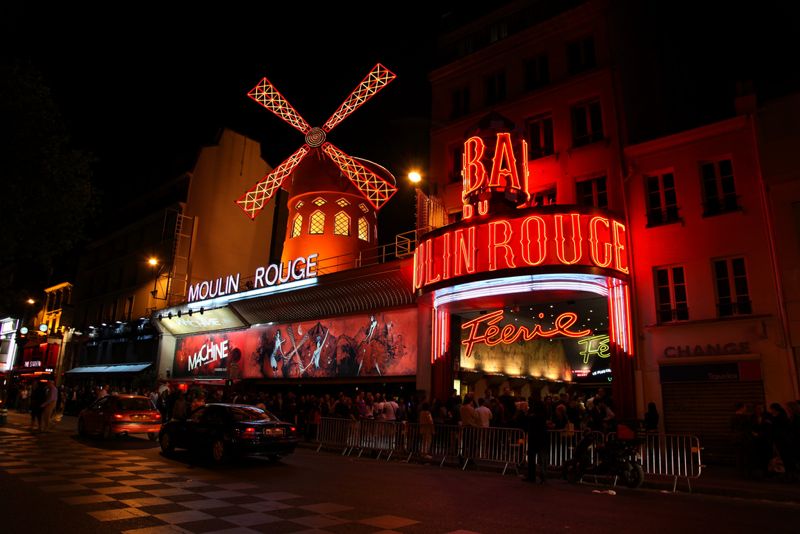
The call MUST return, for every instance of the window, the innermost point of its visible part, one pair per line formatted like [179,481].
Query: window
[671,304]
[580,55]
[363,207]
[537,72]
[317,223]
[456,157]
[342,202]
[497,31]
[587,123]
[341,224]
[719,189]
[495,88]
[733,297]
[460,103]
[299,205]
[297,225]
[319,201]
[544,198]
[592,192]
[662,203]
[540,136]
[363,229]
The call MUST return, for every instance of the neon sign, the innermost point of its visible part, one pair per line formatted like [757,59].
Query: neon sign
[271,275]
[594,346]
[544,239]
[494,335]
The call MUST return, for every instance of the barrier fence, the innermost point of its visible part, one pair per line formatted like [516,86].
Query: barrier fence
[662,455]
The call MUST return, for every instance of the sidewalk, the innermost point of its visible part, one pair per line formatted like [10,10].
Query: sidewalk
[714,480]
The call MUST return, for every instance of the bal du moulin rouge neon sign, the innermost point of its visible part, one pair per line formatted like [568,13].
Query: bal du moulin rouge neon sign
[481,243]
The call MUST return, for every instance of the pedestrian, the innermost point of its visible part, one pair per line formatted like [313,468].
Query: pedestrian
[38,398]
[426,429]
[538,441]
[48,406]
[651,418]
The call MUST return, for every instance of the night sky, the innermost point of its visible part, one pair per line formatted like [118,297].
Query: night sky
[141,87]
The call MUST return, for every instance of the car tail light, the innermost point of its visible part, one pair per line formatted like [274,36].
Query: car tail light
[118,416]
[248,433]
[292,429]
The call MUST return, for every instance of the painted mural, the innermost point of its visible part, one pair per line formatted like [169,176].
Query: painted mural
[379,344]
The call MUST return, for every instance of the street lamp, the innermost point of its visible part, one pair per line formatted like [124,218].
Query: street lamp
[420,202]
[153,262]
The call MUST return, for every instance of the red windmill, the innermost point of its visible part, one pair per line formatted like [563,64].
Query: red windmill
[330,197]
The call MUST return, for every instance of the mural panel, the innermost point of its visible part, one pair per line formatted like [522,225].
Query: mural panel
[379,344]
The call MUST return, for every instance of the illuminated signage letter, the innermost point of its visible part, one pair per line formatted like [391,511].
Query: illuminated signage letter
[495,243]
[575,221]
[504,164]
[429,267]
[419,266]
[474,171]
[620,255]
[594,242]
[464,251]
[538,236]
[447,255]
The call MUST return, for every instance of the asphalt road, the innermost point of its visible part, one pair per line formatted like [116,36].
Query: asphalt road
[58,482]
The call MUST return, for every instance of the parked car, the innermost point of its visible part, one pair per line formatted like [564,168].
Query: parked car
[224,431]
[115,415]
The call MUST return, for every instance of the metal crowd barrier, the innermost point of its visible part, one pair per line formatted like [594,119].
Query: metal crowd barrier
[671,455]
[667,455]
[501,445]
[335,433]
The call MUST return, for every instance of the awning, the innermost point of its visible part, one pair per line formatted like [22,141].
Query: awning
[121,368]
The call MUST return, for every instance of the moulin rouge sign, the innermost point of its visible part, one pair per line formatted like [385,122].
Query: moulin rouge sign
[520,237]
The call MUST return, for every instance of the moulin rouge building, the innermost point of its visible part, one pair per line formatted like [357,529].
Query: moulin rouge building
[566,259]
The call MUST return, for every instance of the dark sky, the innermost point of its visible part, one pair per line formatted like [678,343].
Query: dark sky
[141,86]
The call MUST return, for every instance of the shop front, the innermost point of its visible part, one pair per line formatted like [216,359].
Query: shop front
[525,298]
[344,331]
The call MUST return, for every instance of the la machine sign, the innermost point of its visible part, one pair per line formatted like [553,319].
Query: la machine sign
[270,275]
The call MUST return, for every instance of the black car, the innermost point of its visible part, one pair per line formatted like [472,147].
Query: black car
[228,430]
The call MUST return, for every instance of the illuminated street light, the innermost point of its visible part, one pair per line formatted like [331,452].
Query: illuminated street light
[31,301]
[415,177]
[152,261]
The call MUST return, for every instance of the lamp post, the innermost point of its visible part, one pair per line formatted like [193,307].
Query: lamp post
[415,177]
[158,267]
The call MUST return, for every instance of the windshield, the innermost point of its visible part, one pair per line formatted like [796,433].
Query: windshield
[250,413]
[127,404]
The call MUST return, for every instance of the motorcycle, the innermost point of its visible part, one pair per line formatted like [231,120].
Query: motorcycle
[617,458]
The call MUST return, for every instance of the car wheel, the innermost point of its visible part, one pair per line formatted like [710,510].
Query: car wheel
[152,436]
[219,454]
[167,445]
[81,428]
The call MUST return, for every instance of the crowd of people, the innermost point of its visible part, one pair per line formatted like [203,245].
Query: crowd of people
[767,440]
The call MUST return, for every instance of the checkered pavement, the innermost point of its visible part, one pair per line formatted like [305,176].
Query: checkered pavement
[131,494]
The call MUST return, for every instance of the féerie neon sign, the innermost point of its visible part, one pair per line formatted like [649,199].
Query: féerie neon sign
[494,335]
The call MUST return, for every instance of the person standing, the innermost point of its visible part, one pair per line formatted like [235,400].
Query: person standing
[48,406]
[651,418]
[37,399]
[537,442]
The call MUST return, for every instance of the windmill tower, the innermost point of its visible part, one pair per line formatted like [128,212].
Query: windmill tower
[333,197]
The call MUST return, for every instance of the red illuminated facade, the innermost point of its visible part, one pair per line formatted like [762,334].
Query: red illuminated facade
[691,242]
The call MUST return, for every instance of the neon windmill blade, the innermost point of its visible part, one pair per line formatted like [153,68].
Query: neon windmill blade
[375,189]
[378,78]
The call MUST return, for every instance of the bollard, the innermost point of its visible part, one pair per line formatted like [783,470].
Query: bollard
[3,415]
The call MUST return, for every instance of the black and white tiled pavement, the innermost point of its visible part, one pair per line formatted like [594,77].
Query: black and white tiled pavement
[133,495]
